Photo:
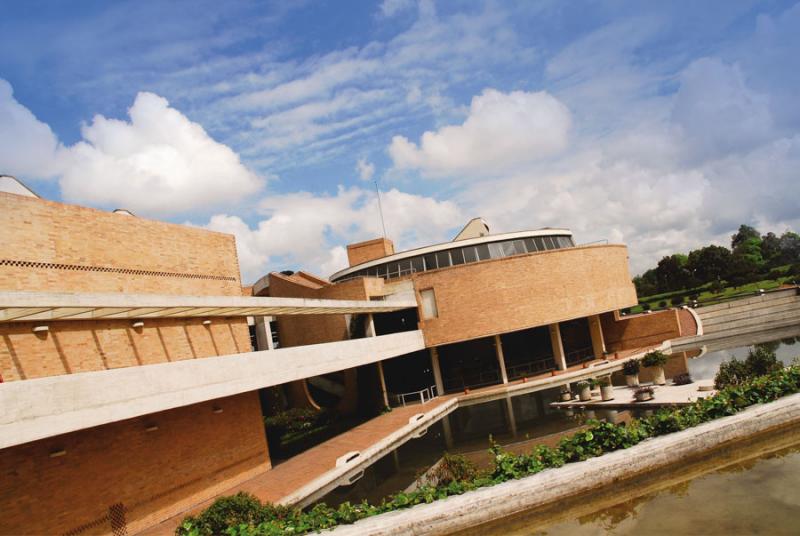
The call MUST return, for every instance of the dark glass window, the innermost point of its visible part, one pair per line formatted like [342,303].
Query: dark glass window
[457,256]
[430,262]
[483,252]
[405,267]
[539,243]
[564,242]
[380,270]
[417,264]
[469,254]
[509,248]
[548,240]
[443,259]
[530,245]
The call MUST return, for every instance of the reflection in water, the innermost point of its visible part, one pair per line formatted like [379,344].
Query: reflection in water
[520,422]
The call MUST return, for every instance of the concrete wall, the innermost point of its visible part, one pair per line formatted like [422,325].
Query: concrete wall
[502,295]
[60,247]
[43,407]
[194,454]
[640,331]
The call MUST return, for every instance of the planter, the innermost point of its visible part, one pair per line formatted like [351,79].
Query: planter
[566,396]
[586,394]
[658,376]
[643,397]
[632,380]
[606,392]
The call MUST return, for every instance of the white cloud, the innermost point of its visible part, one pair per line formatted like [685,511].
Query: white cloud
[502,132]
[390,8]
[716,111]
[306,231]
[158,163]
[365,169]
[27,146]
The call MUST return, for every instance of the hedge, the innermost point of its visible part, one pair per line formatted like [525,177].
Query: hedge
[244,515]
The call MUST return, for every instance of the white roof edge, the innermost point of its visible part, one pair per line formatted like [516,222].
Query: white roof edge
[450,245]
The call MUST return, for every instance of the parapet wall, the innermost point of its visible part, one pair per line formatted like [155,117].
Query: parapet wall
[640,331]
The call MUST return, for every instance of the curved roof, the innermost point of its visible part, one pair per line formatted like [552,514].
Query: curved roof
[449,245]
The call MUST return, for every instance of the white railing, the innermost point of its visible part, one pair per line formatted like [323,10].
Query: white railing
[424,395]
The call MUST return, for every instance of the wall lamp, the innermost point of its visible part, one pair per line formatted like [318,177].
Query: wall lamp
[216,410]
[57,453]
[206,322]
[41,329]
[138,324]
[151,428]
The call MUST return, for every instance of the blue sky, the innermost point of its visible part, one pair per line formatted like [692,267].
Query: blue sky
[659,124]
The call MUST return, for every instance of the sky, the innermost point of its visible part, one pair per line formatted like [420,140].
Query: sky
[661,125]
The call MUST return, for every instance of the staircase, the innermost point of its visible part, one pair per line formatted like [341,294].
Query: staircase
[771,310]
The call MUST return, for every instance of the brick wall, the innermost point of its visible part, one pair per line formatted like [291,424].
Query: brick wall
[640,331]
[295,330]
[498,296]
[193,455]
[59,247]
[369,250]
[80,346]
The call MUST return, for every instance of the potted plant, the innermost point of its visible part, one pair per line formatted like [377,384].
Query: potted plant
[584,391]
[606,390]
[631,371]
[643,394]
[656,360]
[566,394]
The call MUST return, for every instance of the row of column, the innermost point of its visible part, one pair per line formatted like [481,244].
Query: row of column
[598,348]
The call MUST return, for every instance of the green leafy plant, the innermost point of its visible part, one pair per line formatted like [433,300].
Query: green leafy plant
[684,378]
[655,358]
[580,386]
[759,361]
[630,367]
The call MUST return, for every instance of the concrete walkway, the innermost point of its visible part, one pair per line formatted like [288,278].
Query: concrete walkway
[665,395]
[316,468]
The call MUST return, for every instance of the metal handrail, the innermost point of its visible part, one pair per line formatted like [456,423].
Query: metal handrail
[492,375]
[429,391]
[545,365]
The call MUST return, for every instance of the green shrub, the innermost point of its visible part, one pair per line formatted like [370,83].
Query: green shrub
[646,307]
[630,367]
[684,378]
[454,468]
[655,358]
[243,515]
[759,361]
[662,304]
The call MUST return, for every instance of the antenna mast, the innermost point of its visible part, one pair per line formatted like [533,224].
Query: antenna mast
[380,208]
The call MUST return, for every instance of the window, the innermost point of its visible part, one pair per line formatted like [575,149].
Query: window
[548,240]
[430,262]
[483,252]
[470,255]
[539,243]
[564,242]
[380,270]
[393,269]
[417,264]
[457,256]
[508,248]
[530,245]
[429,309]
[405,267]
[496,250]
[443,259]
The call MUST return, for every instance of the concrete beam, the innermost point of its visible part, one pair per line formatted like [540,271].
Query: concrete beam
[52,306]
[45,407]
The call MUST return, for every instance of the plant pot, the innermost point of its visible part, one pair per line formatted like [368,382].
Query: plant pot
[643,397]
[566,397]
[606,392]
[658,376]
[586,394]
[632,380]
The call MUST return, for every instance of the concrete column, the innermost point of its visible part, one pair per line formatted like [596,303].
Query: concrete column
[448,432]
[437,372]
[369,329]
[512,420]
[264,333]
[558,347]
[598,342]
[384,392]
[498,346]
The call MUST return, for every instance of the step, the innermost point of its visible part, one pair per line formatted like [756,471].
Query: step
[771,295]
[789,325]
[761,322]
[775,309]
[746,305]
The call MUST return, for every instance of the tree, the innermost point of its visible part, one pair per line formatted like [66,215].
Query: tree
[770,249]
[710,263]
[744,234]
[751,249]
[789,244]
[646,284]
[742,269]
[672,274]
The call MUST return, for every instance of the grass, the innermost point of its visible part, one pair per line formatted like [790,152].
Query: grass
[705,295]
